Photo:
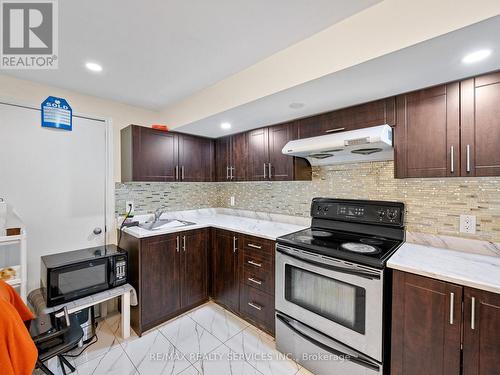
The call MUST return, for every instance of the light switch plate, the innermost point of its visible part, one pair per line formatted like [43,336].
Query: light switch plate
[468,224]
[232,200]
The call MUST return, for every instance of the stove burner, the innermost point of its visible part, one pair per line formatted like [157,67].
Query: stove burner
[360,248]
[320,233]
[372,241]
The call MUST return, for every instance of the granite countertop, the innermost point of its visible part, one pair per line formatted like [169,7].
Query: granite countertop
[459,267]
[265,225]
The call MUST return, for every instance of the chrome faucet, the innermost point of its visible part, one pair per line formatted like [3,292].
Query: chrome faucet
[158,212]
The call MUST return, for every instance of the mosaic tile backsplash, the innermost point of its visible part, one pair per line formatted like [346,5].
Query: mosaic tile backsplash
[433,204]
[148,196]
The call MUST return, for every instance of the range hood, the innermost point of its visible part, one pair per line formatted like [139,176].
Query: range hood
[355,146]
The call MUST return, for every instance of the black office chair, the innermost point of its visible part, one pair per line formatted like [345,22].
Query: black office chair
[55,337]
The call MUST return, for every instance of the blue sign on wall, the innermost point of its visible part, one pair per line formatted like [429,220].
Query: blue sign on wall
[56,113]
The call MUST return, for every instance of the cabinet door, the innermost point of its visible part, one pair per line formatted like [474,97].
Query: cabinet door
[194,266]
[239,157]
[196,158]
[311,126]
[258,154]
[154,155]
[481,345]
[160,283]
[280,166]
[225,269]
[222,158]
[427,133]
[426,326]
[480,126]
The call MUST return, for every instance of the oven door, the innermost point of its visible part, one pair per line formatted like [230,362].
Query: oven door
[77,280]
[340,299]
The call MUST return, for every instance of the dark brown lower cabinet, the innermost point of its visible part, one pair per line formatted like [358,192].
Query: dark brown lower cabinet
[243,276]
[225,269]
[169,274]
[481,347]
[429,329]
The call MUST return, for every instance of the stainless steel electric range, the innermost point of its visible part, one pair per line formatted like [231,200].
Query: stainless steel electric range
[332,287]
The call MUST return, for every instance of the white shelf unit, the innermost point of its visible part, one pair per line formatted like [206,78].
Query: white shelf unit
[13,252]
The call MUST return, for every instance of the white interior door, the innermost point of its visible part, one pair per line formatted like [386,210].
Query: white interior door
[55,180]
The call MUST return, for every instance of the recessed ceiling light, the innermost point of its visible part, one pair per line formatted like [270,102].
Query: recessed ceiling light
[296,105]
[476,56]
[225,125]
[93,67]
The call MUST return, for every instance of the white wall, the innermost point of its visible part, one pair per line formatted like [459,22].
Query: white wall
[32,93]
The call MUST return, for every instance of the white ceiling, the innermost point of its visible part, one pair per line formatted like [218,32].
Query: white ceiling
[432,62]
[157,52]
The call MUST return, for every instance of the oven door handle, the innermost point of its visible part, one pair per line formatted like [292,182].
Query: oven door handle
[327,343]
[350,271]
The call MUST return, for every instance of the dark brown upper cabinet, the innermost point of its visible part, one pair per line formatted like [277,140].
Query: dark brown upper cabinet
[231,154]
[451,130]
[374,113]
[427,142]
[153,155]
[480,126]
[148,154]
[196,158]
[266,162]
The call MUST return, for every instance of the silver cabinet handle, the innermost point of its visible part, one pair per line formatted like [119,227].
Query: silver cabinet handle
[468,158]
[255,281]
[452,157]
[264,170]
[452,306]
[177,246]
[473,313]
[227,172]
[234,244]
[182,173]
[254,263]
[176,172]
[334,130]
[254,246]
[232,169]
[255,306]
[270,174]
[184,243]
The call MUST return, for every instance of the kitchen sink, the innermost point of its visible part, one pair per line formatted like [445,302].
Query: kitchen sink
[164,224]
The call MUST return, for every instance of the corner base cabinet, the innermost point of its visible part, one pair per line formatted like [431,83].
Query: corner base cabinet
[433,335]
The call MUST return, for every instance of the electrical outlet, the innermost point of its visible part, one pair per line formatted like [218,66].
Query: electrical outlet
[232,201]
[468,224]
[127,206]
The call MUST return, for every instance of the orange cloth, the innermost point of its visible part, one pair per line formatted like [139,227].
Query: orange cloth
[18,352]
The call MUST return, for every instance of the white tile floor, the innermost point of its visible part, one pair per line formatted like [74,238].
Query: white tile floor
[207,340]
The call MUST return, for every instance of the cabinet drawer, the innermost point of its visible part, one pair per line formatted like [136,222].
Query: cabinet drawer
[257,262]
[258,245]
[257,306]
[259,278]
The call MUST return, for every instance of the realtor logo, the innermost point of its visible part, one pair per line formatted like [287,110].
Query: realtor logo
[29,34]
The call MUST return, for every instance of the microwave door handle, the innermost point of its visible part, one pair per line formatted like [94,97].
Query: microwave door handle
[328,344]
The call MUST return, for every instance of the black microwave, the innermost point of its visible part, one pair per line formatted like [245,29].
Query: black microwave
[71,275]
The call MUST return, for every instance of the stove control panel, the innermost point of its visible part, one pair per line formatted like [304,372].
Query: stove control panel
[375,212]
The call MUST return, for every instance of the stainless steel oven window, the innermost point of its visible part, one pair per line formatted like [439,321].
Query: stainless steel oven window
[333,299]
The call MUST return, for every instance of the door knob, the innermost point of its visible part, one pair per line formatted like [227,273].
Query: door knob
[97,231]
